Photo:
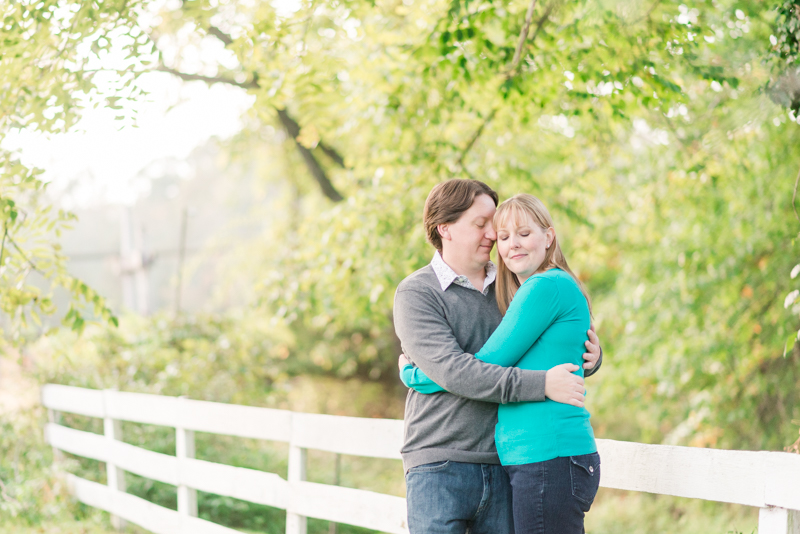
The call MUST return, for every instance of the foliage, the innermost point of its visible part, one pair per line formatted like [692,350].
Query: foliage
[785,89]
[225,359]
[30,489]
[30,256]
[234,359]
[642,129]
[640,125]
[52,67]
[615,511]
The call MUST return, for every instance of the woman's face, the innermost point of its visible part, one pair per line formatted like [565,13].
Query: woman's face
[523,247]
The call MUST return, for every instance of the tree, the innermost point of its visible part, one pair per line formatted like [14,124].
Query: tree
[643,127]
[50,51]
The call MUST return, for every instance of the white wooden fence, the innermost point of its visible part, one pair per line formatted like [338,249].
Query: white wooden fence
[767,480]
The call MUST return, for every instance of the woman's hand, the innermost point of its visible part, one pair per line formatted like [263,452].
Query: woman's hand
[402,361]
[562,386]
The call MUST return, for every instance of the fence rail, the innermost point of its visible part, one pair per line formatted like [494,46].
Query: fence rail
[767,480]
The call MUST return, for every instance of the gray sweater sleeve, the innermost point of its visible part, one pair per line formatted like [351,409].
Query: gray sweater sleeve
[428,341]
[589,372]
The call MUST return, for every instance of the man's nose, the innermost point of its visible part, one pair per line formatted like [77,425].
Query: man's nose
[490,233]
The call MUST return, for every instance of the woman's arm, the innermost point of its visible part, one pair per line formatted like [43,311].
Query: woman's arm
[533,309]
[416,379]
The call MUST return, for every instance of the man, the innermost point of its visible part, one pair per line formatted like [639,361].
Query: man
[443,315]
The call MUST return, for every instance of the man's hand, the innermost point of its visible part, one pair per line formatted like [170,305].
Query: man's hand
[562,386]
[592,353]
[402,361]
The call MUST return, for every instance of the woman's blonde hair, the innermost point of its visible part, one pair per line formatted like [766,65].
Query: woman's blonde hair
[519,209]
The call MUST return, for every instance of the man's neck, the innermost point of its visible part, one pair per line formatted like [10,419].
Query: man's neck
[476,273]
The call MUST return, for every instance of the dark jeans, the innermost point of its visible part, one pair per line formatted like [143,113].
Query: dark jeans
[552,497]
[455,498]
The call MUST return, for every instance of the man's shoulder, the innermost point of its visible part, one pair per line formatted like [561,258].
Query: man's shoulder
[422,280]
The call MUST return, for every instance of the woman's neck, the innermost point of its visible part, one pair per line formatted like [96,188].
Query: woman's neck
[522,278]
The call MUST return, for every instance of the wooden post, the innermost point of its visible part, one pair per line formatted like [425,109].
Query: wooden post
[114,475]
[337,479]
[55,418]
[296,524]
[184,448]
[772,520]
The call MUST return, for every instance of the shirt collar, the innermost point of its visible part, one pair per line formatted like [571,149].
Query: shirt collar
[447,275]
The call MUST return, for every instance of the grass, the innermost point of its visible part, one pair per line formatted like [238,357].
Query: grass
[629,512]
[614,512]
[95,523]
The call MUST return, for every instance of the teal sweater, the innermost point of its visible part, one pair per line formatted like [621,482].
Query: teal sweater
[541,329]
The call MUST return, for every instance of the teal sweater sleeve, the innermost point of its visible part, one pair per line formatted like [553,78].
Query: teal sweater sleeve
[416,379]
[532,310]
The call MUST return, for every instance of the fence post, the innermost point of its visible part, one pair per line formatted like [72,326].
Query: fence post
[184,448]
[55,418]
[296,524]
[337,480]
[115,476]
[773,520]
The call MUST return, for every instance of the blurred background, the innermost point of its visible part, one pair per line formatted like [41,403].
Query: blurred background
[218,198]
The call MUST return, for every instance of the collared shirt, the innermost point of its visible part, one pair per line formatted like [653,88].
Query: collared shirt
[448,276]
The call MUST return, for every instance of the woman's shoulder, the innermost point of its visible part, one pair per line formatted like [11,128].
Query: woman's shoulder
[553,279]
[546,281]
[550,275]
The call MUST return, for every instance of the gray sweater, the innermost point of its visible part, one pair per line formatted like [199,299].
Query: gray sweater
[440,331]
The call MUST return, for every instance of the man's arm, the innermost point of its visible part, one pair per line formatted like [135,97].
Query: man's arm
[414,378]
[429,342]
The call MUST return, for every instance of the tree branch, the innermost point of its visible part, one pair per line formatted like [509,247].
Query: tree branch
[330,152]
[512,71]
[475,136]
[210,80]
[24,257]
[547,12]
[219,34]
[293,129]
[646,15]
[5,235]
[289,124]
[523,36]
[794,196]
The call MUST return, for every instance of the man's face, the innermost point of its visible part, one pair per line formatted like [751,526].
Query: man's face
[472,236]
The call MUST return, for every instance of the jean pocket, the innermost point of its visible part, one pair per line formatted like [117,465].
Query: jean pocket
[584,471]
[429,468]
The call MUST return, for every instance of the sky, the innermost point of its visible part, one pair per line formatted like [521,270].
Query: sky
[100,159]
[97,162]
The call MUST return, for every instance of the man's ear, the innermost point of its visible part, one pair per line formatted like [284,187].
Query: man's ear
[444,231]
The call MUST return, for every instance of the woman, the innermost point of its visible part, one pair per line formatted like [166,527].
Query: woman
[547,448]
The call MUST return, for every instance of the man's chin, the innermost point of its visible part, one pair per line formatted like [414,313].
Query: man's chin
[485,256]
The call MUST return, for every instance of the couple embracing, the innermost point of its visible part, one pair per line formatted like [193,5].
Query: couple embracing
[497,439]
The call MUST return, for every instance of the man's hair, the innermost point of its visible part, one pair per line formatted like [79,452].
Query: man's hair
[447,201]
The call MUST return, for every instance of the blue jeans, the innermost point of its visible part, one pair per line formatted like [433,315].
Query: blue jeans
[455,498]
[552,497]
